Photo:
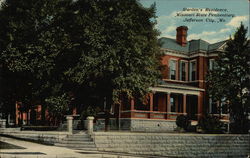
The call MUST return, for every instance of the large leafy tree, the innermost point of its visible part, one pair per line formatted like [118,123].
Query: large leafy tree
[118,48]
[32,45]
[229,81]
[75,50]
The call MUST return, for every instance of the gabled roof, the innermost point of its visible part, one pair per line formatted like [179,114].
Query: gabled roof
[192,46]
[216,45]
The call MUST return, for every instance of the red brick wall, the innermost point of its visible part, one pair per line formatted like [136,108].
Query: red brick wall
[165,62]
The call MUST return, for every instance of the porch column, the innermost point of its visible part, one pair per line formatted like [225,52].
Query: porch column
[132,107]
[168,102]
[200,105]
[132,104]
[184,103]
[17,114]
[151,101]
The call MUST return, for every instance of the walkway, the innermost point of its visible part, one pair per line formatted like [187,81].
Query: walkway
[24,149]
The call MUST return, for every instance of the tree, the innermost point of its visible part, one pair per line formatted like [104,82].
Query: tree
[119,48]
[90,49]
[31,45]
[229,81]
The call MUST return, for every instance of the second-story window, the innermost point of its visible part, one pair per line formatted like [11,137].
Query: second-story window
[192,70]
[211,64]
[173,69]
[183,73]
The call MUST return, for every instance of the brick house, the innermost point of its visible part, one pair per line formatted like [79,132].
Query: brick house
[182,89]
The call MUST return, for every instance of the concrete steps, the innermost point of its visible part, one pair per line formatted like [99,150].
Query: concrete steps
[77,141]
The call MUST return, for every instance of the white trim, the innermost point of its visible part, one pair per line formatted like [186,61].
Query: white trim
[175,54]
[221,47]
[189,55]
[178,91]
[183,87]
[213,55]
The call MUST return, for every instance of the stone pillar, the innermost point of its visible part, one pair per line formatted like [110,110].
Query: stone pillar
[90,124]
[70,124]
[184,103]
[2,123]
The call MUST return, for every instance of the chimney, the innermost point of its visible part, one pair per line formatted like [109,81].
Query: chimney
[181,35]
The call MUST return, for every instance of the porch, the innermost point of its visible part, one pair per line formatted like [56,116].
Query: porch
[166,102]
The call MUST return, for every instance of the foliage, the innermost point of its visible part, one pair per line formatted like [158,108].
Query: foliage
[31,44]
[182,121]
[64,50]
[229,81]
[90,111]
[211,124]
[118,45]
[58,106]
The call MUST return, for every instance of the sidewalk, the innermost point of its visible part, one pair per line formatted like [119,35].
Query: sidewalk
[25,149]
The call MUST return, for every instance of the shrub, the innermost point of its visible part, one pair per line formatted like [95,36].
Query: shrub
[90,111]
[240,125]
[211,124]
[182,121]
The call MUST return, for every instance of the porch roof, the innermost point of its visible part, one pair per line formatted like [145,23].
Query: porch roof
[177,88]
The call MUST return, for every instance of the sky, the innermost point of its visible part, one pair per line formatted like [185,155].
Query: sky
[218,22]
[209,27]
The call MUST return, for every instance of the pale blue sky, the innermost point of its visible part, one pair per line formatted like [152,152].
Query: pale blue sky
[208,31]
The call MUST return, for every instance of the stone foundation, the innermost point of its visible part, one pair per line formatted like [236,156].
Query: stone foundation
[140,125]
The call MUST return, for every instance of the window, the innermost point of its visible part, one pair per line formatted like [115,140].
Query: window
[218,107]
[183,74]
[213,107]
[223,106]
[172,104]
[192,71]
[173,69]
[211,64]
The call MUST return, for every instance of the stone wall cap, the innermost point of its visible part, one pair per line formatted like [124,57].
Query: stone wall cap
[90,118]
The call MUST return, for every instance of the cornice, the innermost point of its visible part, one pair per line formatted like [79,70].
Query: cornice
[191,54]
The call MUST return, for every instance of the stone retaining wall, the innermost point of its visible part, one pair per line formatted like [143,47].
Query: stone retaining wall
[42,137]
[174,145]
